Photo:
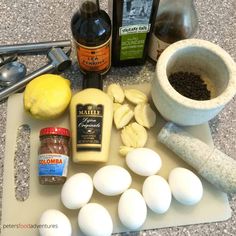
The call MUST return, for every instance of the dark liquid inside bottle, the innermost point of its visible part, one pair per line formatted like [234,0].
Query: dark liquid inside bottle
[170,28]
[176,20]
[91,28]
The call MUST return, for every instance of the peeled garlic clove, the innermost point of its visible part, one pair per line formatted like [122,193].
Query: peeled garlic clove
[122,116]
[116,93]
[134,135]
[135,96]
[124,150]
[144,115]
[116,106]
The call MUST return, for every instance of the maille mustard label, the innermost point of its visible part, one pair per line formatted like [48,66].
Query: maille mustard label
[89,120]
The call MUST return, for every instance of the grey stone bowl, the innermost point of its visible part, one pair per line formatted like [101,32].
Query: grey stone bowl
[201,57]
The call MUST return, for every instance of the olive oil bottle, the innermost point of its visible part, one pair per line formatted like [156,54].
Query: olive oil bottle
[91,30]
[132,23]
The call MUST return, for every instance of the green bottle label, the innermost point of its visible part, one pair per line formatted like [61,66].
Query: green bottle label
[135,26]
[132,46]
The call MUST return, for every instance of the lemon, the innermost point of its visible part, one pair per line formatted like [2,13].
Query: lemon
[47,96]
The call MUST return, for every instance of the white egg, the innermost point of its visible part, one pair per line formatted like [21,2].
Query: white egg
[157,194]
[143,161]
[77,191]
[185,186]
[57,222]
[132,209]
[112,180]
[95,220]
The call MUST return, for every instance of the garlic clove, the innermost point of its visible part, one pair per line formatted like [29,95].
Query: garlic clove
[122,116]
[134,135]
[124,150]
[135,96]
[116,93]
[144,115]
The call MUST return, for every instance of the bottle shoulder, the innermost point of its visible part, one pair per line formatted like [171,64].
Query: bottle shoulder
[92,30]
[91,95]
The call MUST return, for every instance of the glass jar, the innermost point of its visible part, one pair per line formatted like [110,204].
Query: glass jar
[53,156]
[176,20]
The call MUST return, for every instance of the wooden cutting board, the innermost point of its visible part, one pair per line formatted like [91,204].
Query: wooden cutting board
[213,207]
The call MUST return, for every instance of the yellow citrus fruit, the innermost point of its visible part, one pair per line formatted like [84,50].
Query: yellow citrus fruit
[47,96]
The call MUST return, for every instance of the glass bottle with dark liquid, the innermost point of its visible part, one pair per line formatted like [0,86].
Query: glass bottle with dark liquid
[91,30]
[176,20]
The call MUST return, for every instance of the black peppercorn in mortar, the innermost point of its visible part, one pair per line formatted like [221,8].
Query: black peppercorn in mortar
[190,85]
[53,155]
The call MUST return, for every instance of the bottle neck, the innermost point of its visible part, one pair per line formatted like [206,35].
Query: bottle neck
[93,80]
[89,8]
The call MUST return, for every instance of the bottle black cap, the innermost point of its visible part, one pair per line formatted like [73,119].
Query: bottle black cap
[93,80]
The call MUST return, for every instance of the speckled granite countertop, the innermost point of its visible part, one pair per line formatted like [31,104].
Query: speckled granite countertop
[43,20]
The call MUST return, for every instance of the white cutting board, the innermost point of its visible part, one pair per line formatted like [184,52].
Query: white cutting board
[213,207]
